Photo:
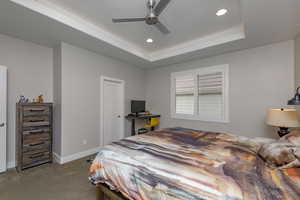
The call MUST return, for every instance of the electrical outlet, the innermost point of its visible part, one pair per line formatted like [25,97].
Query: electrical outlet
[84,142]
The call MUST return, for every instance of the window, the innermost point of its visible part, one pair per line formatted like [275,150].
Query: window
[185,95]
[200,94]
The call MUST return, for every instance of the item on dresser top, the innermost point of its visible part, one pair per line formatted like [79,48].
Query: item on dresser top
[33,134]
[40,99]
[22,99]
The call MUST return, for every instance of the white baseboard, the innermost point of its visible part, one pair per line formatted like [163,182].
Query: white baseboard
[56,158]
[63,160]
[76,156]
[11,164]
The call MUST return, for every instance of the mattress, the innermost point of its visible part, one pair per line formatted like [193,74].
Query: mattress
[185,164]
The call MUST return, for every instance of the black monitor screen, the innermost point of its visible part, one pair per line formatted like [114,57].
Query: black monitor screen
[138,106]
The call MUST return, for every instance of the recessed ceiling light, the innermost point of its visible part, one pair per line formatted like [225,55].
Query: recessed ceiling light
[221,12]
[149,40]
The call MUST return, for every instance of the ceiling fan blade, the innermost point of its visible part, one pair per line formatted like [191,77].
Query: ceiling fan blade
[128,20]
[162,28]
[161,6]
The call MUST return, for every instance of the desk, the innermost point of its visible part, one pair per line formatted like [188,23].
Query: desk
[143,117]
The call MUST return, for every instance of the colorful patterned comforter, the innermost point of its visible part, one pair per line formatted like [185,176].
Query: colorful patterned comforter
[183,164]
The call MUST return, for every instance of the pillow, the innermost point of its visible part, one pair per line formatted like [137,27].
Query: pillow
[256,142]
[280,155]
[262,141]
[292,137]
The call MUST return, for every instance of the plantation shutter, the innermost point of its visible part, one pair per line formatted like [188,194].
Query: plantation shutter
[210,96]
[201,94]
[184,92]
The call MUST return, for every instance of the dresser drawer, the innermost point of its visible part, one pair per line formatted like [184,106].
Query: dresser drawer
[32,121]
[36,110]
[36,138]
[32,158]
[37,146]
[36,133]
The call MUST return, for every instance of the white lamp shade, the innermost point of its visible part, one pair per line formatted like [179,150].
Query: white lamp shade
[286,118]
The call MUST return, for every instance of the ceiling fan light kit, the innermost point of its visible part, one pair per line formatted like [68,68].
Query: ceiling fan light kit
[221,12]
[152,17]
[149,40]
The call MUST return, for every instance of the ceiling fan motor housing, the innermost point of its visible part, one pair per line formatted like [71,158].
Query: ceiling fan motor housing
[151,18]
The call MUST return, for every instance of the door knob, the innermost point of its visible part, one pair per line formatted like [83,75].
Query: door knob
[119,116]
[2,125]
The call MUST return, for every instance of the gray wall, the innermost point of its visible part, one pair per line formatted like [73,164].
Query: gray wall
[260,78]
[29,73]
[80,90]
[57,75]
[297,59]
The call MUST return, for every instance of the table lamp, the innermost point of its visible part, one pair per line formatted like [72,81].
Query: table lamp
[284,119]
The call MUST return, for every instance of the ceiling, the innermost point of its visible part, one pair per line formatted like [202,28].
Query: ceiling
[196,31]
[187,20]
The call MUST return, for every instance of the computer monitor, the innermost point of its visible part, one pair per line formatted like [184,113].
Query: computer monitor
[138,106]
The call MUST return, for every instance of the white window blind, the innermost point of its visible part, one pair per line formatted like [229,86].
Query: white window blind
[185,95]
[200,94]
[210,96]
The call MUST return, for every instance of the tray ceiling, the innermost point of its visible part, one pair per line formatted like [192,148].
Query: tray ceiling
[196,31]
[187,20]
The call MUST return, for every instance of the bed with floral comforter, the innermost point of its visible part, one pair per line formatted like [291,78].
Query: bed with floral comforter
[184,164]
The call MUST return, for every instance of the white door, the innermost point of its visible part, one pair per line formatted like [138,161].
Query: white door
[3,93]
[112,96]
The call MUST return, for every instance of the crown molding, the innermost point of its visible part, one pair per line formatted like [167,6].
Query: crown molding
[229,35]
[70,19]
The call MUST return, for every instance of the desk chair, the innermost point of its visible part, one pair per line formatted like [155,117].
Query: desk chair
[153,122]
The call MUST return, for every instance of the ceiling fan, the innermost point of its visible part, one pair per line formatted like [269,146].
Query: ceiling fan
[152,17]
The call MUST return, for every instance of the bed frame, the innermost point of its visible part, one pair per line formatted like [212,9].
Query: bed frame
[104,193]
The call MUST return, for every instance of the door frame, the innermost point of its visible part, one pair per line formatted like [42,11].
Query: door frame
[4,69]
[122,82]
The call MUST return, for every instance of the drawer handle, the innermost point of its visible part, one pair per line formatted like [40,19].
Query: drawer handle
[40,110]
[40,120]
[38,155]
[37,132]
[36,144]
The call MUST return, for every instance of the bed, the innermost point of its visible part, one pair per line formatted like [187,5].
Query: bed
[185,164]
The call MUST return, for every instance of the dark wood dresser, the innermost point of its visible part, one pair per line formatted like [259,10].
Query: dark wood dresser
[34,128]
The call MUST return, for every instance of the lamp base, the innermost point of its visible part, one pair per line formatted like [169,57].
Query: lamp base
[283,131]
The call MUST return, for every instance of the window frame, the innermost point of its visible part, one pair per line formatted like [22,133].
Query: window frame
[195,72]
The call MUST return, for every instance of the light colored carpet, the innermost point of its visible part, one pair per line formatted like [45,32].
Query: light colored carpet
[49,182]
